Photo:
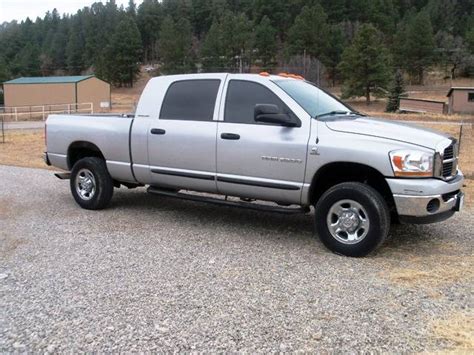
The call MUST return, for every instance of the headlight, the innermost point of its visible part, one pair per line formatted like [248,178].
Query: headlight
[412,163]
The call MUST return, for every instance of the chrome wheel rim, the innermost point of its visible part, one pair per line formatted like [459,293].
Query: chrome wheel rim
[85,184]
[348,222]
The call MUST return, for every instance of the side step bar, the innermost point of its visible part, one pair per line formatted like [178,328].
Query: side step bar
[248,205]
[63,176]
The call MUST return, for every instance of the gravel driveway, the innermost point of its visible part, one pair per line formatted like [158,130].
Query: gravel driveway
[153,273]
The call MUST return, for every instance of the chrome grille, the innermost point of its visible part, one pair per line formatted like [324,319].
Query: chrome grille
[449,152]
[450,161]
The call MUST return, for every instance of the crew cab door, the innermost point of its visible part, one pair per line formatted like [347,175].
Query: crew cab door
[182,139]
[260,160]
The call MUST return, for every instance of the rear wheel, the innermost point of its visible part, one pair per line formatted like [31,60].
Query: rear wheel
[91,184]
[352,219]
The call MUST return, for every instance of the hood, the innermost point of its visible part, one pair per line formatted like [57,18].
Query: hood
[397,131]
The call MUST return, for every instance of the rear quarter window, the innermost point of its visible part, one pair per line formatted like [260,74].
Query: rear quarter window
[190,100]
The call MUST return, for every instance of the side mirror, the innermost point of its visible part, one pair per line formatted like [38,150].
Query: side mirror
[267,113]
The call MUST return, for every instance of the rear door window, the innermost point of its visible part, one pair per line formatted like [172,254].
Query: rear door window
[190,100]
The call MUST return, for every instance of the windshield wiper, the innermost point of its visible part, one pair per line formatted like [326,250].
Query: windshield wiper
[338,112]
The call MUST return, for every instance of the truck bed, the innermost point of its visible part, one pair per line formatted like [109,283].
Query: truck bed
[110,133]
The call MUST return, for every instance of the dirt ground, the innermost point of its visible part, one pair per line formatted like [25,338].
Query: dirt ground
[429,272]
[161,274]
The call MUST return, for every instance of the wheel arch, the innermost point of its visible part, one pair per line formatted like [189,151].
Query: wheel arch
[82,149]
[338,172]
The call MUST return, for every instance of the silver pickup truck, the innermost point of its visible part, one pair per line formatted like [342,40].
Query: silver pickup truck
[274,138]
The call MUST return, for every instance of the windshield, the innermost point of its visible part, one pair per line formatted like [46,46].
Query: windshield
[313,100]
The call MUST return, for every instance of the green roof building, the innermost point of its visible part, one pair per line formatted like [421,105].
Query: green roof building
[57,90]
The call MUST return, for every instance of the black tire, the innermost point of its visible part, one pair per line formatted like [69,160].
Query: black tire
[102,182]
[375,207]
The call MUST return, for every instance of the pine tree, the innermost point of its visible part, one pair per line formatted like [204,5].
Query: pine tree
[383,15]
[453,52]
[201,16]
[57,49]
[333,53]
[419,46]
[365,64]
[442,14]
[3,70]
[212,53]
[120,62]
[470,40]
[75,50]
[397,90]
[132,9]
[237,39]
[26,62]
[309,32]
[265,42]
[277,11]
[236,33]
[175,46]
[149,18]
[336,9]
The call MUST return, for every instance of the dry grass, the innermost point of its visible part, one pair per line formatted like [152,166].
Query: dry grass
[457,330]
[433,271]
[469,191]
[430,269]
[126,99]
[23,149]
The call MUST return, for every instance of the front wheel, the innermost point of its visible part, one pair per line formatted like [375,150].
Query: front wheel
[352,219]
[91,184]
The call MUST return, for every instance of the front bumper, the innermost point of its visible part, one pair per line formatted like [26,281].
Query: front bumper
[427,200]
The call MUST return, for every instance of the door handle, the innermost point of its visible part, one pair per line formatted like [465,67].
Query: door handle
[157,131]
[231,136]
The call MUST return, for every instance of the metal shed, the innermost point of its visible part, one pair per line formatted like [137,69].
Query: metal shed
[57,90]
[461,100]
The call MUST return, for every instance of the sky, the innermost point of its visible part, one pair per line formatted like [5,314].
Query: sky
[21,9]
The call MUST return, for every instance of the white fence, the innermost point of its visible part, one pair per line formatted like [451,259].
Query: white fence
[42,111]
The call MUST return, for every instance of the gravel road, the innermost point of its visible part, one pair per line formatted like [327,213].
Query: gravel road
[153,273]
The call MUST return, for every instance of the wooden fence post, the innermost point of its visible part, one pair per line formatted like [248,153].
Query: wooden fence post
[460,136]
[3,130]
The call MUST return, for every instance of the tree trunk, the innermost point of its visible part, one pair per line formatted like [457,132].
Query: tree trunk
[367,95]
[420,76]
[453,72]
